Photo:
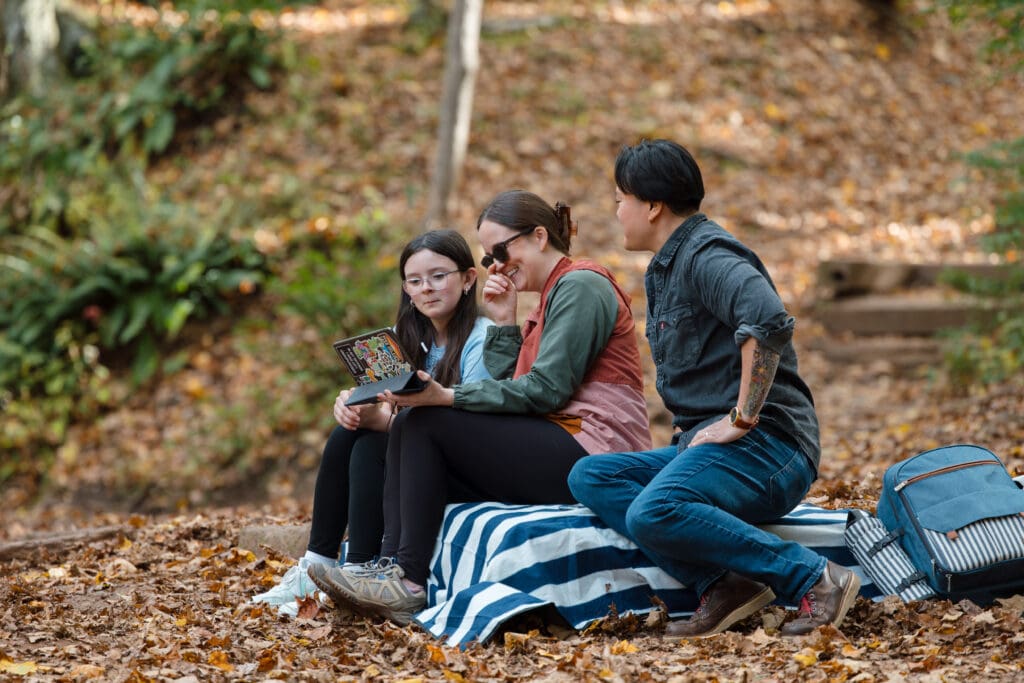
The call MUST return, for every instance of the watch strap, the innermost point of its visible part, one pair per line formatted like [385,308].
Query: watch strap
[736,418]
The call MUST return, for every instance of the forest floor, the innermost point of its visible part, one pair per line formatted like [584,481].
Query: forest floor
[823,130]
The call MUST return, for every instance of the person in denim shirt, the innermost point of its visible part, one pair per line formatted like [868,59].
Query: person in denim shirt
[745,449]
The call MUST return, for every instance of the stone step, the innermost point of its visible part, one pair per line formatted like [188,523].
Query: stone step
[839,278]
[900,353]
[287,539]
[904,314]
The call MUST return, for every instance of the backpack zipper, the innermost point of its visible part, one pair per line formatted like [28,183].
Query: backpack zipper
[950,468]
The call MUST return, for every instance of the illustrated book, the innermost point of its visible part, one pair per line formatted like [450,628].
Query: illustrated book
[377,363]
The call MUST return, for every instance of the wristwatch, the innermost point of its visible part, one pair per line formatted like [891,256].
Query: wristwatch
[736,419]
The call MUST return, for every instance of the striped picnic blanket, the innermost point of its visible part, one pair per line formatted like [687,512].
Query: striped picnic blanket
[493,561]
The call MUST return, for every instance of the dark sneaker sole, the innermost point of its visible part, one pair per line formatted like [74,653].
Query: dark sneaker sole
[341,600]
[750,607]
[344,600]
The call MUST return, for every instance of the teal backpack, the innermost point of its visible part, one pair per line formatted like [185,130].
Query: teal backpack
[959,516]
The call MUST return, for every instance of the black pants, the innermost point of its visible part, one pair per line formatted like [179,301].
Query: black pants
[349,492]
[442,455]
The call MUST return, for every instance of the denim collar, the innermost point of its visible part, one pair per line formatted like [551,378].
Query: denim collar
[668,250]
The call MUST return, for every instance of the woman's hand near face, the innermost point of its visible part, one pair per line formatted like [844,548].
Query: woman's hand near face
[499,295]
[432,395]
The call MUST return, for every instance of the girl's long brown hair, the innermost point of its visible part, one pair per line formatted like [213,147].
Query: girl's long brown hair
[413,328]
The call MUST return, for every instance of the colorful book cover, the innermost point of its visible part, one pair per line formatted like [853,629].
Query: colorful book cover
[377,363]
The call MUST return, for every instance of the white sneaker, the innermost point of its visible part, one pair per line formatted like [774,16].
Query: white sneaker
[294,584]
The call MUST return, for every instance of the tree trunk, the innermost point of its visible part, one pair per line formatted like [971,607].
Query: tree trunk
[461,65]
[28,46]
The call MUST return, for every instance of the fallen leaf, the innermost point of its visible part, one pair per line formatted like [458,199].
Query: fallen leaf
[517,641]
[309,607]
[806,657]
[319,633]
[985,617]
[87,671]
[219,659]
[622,647]
[436,654]
[17,668]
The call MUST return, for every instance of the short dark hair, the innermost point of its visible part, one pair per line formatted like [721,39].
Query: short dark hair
[660,171]
[520,210]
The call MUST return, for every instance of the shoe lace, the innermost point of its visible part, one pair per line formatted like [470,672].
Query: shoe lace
[702,608]
[808,605]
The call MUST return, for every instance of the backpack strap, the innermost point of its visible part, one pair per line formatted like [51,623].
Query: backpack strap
[879,545]
[909,581]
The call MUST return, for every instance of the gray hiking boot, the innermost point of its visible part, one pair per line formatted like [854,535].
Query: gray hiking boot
[380,592]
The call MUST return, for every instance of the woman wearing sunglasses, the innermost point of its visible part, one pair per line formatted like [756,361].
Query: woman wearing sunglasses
[569,384]
[439,325]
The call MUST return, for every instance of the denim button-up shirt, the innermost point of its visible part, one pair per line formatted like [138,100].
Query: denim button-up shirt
[707,294]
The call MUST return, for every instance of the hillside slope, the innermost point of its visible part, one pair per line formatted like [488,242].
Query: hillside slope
[821,132]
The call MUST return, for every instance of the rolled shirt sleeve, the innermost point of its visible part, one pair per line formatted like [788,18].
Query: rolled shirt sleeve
[741,296]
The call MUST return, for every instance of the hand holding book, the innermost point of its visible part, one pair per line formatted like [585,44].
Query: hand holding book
[352,417]
[378,363]
[431,394]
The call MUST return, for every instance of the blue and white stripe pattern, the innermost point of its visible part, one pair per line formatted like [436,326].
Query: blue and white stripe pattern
[982,544]
[493,561]
[883,558]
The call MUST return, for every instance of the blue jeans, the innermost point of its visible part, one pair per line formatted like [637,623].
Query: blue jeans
[693,511]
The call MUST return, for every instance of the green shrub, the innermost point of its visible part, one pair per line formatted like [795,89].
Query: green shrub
[133,288]
[145,87]
[70,308]
[343,281]
[340,278]
[995,353]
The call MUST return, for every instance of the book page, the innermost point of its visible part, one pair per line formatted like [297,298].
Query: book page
[373,357]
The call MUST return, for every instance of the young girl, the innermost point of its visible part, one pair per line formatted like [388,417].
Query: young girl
[439,325]
[570,385]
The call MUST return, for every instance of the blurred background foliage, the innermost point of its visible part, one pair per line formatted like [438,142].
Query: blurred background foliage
[109,271]
[101,268]
[995,352]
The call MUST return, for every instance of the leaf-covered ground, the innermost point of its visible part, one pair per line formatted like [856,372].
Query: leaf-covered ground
[823,130]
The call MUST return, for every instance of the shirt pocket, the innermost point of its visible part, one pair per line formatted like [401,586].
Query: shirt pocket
[674,339]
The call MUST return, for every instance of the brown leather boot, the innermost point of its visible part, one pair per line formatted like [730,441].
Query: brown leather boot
[826,603]
[731,599]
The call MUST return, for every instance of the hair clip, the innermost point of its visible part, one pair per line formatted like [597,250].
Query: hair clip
[564,214]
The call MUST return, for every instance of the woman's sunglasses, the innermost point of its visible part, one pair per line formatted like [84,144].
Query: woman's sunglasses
[499,252]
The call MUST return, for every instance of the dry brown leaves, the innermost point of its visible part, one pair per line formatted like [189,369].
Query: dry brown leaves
[174,603]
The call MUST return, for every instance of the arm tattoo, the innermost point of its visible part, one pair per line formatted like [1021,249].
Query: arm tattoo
[762,374]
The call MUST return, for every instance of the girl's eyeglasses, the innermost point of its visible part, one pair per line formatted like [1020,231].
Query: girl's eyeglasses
[436,280]
[499,252]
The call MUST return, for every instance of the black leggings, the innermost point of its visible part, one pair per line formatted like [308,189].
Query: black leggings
[445,455]
[349,492]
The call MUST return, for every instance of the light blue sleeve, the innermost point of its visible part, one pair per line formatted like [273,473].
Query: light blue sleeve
[472,367]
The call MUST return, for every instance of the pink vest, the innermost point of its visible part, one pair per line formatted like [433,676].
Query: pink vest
[608,411]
